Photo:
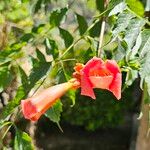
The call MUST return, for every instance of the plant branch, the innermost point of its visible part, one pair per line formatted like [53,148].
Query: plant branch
[101,37]
[102,30]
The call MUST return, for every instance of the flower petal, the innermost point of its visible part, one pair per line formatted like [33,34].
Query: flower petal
[86,85]
[34,107]
[101,82]
[115,86]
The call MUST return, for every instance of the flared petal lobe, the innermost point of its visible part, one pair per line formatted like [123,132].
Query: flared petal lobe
[86,85]
[115,86]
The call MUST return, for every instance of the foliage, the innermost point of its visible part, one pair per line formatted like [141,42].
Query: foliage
[93,114]
[42,40]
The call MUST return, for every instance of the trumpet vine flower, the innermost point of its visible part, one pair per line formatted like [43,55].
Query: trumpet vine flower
[99,74]
[37,105]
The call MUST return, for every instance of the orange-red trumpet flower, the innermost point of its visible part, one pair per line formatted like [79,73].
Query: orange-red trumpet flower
[35,106]
[99,74]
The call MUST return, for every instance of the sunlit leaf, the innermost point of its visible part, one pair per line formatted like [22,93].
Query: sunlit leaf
[133,30]
[118,9]
[138,8]
[122,22]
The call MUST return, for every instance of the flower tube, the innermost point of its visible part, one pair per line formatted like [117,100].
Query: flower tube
[37,105]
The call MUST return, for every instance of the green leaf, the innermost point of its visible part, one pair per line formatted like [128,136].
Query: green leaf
[118,9]
[95,30]
[54,113]
[136,6]
[27,37]
[9,108]
[38,28]
[100,5]
[38,71]
[57,16]
[82,24]
[131,76]
[67,37]
[145,43]
[40,56]
[72,95]
[147,82]
[120,52]
[51,48]
[24,78]
[39,4]
[5,76]
[136,46]
[122,22]
[23,141]
[133,30]
[144,54]
[114,3]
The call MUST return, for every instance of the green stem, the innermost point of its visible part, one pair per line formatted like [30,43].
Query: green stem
[70,47]
[138,16]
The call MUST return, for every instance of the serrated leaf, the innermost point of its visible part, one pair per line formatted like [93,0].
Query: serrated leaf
[66,36]
[144,54]
[120,52]
[133,30]
[57,16]
[38,71]
[122,22]
[136,46]
[118,9]
[131,76]
[23,141]
[54,112]
[40,56]
[145,44]
[82,24]
[51,48]
[5,76]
